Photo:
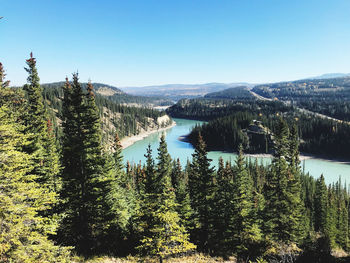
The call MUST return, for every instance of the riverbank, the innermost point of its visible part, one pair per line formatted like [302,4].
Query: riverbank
[128,141]
[265,155]
[302,157]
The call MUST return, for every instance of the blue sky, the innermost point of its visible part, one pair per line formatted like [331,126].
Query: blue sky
[145,42]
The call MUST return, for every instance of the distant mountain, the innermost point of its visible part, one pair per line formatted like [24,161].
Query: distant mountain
[181,91]
[331,76]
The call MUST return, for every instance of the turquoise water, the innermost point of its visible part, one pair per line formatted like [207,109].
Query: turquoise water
[183,150]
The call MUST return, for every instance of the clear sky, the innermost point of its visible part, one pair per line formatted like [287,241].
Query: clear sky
[145,42]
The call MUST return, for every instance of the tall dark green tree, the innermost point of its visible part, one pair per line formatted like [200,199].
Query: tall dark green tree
[85,184]
[24,227]
[246,233]
[201,188]
[321,208]
[165,236]
[297,227]
[150,172]
[223,211]
[342,238]
[121,202]
[276,189]
[42,144]
[180,184]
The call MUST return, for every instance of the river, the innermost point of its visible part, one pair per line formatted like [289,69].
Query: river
[331,170]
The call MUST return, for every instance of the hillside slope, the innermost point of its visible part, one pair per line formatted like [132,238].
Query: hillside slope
[330,97]
[117,95]
[116,118]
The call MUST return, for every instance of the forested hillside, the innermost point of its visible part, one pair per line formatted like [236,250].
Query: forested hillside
[117,95]
[208,109]
[326,96]
[237,117]
[82,202]
[123,119]
[239,93]
[322,137]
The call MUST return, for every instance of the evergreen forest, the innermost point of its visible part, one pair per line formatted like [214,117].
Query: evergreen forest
[231,114]
[65,197]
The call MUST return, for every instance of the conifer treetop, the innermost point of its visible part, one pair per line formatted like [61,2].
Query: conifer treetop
[33,77]
[3,83]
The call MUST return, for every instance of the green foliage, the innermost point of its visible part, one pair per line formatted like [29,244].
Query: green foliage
[42,143]
[244,209]
[230,123]
[282,194]
[321,205]
[116,117]
[121,200]
[212,108]
[162,234]
[24,231]
[238,93]
[247,235]
[86,187]
[326,96]
[223,211]
[180,184]
[201,188]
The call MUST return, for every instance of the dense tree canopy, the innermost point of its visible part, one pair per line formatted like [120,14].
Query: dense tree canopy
[160,209]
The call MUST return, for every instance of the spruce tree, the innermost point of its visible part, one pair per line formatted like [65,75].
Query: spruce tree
[223,212]
[331,218]
[85,185]
[42,144]
[150,179]
[277,210]
[120,200]
[296,226]
[201,188]
[164,236]
[246,233]
[180,184]
[321,206]
[24,231]
[342,238]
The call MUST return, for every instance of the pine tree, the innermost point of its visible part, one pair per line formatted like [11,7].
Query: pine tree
[331,218]
[23,232]
[223,211]
[42,145]
[165,236]
[246,233]
[147,199]
[85,185]
[150,179]
[296,226]
[201,188]
[276,189]
[321,206]
[117,155]
[120,200]
[180,184]
[342,238]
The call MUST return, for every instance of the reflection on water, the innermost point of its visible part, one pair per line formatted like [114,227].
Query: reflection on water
[183,150]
